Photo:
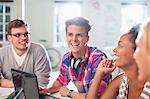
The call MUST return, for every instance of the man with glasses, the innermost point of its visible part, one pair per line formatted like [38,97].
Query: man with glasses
[23,55]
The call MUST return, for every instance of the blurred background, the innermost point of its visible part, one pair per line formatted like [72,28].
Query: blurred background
[108,18]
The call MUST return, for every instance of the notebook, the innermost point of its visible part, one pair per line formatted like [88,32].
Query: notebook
[26,84]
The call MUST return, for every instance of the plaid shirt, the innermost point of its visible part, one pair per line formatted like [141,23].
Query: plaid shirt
[82,76]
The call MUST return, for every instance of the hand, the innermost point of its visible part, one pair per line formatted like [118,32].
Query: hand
[6,83]
[63,91]
[43,90]
[106,66]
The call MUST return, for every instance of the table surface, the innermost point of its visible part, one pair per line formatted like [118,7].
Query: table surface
[4,92]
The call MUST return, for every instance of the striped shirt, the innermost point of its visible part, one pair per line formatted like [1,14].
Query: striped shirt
[146,91]
[83,75]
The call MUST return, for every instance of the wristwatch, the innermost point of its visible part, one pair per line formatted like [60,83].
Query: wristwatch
[69,93]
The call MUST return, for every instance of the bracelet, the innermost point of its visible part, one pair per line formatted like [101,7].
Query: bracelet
[69,93]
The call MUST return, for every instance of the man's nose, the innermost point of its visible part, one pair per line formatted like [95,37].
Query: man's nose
[74,37]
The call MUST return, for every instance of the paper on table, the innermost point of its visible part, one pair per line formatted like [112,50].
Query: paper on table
[4,92]
[57,95]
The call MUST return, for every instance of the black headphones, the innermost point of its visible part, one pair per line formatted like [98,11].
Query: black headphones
[75,62]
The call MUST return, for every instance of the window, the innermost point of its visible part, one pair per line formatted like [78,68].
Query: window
[63,11]
[4,19]
[133,14]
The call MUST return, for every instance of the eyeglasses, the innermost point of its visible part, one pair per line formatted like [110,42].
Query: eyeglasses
[20,34]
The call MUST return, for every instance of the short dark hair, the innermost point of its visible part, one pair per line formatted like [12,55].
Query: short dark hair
[15,24]
[133,32]
[80,21]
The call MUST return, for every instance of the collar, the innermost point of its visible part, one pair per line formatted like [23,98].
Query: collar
[86,55]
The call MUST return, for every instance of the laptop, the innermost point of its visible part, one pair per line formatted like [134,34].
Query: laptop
[26,84]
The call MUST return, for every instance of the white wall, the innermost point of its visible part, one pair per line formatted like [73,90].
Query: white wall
[106,20]
[39,14]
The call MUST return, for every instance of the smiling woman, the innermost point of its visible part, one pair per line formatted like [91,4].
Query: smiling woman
[123,85]
[142,57]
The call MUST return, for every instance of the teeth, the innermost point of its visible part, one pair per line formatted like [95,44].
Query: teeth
[74,44]
[23,42]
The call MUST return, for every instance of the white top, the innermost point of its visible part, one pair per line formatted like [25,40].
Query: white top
[146,91]
[20,59]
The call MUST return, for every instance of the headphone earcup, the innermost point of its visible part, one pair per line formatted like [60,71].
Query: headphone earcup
[72,62]
[77,62]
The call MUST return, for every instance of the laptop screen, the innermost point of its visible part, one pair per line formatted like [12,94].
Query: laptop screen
[27,82]
[17,80]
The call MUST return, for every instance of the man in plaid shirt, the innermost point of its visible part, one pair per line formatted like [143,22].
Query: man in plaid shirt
[79,65]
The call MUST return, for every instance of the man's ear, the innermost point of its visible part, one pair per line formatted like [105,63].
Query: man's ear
[87,38]
[9,38]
